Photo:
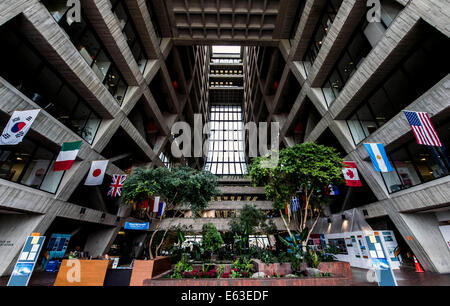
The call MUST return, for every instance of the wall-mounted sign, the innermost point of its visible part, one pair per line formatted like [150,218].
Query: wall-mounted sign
[137,226]
[26,262]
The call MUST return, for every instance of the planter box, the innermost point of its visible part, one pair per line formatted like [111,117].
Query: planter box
[275,268]
[92,273]
[148,269]
[307,281]
[337,268]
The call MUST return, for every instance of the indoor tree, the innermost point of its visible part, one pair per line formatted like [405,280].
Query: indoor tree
[249,222]
[211,238]
[302,169]
[177,187]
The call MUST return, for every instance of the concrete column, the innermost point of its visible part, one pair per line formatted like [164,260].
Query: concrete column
[421,233]
[14,229]
[100,241]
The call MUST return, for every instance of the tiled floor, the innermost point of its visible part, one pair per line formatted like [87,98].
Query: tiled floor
[404,277]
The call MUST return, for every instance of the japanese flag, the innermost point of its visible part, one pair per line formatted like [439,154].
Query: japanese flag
[351,175]
[97,173]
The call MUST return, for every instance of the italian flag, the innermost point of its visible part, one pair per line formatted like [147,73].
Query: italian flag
[67,155]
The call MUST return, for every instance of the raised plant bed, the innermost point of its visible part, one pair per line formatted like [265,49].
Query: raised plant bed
[305,281]
[272,269]
[148,269]
[336,268]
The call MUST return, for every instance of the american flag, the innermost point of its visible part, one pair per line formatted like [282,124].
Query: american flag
[295,204]
[116,185]
[423,128]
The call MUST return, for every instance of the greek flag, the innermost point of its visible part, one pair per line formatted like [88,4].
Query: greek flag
[295,204]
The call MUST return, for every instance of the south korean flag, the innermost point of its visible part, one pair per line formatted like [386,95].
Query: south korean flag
[18,126]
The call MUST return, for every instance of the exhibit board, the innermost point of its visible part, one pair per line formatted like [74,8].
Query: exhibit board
[379,258]
[354,249]
[390,245]
[27,261]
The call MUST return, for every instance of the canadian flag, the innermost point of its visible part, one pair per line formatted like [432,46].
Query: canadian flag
[97,173]
[351,175]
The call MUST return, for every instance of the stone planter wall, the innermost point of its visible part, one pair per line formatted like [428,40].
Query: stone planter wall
[148,269]
[307,281]
[338,268]
[275,268]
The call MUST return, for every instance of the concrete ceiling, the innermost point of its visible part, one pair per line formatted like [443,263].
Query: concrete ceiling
[244,22]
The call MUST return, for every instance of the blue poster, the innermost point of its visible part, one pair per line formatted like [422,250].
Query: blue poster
[26,262]
[379,261]
[137,226]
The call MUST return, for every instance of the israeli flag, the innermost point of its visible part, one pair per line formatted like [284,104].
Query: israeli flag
[378,156]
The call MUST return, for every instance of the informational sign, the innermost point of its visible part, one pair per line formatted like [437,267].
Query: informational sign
[137,226]
[26,262]
[115,263]
[56,249]
[379,260]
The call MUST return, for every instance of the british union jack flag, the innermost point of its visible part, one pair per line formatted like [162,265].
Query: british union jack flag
[116,185]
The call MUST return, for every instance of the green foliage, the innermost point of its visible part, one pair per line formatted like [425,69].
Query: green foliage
[175,186]
[250,221]
[312,259]
[180,267]
[295,250]
[243,264]
[264,255]
[211,240]
[304,166]
[220,269]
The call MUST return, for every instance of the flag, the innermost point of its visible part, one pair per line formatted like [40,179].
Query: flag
[155,206]
[378,156]
[162,207]
[423,128]
[96,173]
[18,126]
[295,204]
[331,190]
[287,209]
[67,155]
[116,185]
[351,174]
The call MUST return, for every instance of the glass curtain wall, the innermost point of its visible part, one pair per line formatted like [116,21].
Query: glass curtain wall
[226,156]
[365,37]
[29,164]
[91,49]
[416,164]
[326,20]
[23,67]
[130,33]
[426,65]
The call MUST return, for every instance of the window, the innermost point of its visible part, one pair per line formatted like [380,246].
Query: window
[412,77]
[91,49]
[326,20]
[165,160]
[29,164]
[22,66]
[129,31]
[416,164]
[151,9]
[226,154]
[361,43]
